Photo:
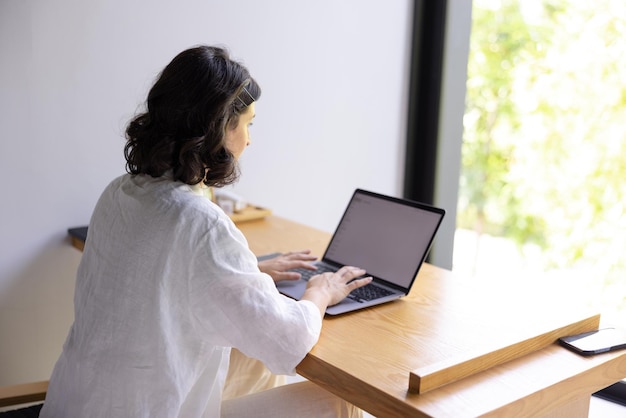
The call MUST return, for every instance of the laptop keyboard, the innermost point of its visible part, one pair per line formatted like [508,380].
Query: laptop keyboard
[368,292]
[362,294]
[307,274]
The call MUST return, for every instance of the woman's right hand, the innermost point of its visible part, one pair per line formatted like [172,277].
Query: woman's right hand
[328,289]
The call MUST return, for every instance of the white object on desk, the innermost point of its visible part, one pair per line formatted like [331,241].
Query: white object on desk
[230,202]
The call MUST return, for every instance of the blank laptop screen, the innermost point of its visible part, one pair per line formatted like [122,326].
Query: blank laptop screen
[387,238]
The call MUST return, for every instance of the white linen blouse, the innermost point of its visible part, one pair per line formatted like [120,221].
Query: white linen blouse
[166,285]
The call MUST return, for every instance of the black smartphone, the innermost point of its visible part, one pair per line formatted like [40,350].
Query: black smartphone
[595,342]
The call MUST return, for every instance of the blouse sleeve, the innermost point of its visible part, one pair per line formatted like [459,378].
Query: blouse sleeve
[234,304]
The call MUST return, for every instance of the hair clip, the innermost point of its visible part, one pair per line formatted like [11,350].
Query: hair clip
[243,102]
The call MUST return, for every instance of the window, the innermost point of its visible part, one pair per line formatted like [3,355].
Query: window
[543,181]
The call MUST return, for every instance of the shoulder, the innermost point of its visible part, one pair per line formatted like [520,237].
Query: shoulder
[198,216]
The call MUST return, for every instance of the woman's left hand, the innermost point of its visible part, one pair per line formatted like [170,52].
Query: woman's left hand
[278,266]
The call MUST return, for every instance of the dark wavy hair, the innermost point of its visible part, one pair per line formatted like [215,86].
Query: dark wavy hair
[199,95]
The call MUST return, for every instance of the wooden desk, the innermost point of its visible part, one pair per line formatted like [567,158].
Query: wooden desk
[366,357]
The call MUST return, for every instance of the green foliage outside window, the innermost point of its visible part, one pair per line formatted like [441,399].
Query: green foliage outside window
[544,147]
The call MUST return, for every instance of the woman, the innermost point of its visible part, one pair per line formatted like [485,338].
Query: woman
[167,284]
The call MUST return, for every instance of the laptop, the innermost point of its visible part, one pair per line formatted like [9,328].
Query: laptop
[387,236]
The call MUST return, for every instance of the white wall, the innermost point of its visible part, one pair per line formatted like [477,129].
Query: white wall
[332,114]
[331,118]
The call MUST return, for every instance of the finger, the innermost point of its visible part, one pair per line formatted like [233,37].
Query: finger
[349,272]
[299,252]
[308,266]
[355,284]
[302,252]
[301,256]
[290,265]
